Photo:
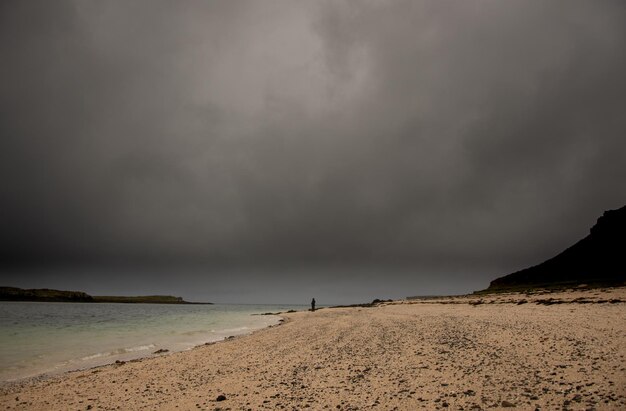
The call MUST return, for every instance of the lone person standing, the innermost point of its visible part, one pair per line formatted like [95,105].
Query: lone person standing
[313,304]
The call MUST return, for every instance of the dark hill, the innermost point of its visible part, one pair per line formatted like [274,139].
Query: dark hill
[597,260]
[45,294]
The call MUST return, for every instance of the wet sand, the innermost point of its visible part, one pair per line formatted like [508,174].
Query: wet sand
[548,351]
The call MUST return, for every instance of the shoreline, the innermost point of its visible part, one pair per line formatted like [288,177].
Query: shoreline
[79,346]
[407,354]
[46,376]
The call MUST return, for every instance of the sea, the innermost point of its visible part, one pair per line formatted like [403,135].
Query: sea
[38,338]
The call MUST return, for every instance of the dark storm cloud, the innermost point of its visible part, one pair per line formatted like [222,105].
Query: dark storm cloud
[422,134]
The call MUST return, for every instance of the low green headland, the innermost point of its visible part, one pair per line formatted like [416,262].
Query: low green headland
[45,294]
[146,299]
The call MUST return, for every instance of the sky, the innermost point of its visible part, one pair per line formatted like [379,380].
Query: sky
[274,151]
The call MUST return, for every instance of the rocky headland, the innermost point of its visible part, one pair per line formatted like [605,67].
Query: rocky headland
[597,260]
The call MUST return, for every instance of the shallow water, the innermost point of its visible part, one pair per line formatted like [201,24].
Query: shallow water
[39,338]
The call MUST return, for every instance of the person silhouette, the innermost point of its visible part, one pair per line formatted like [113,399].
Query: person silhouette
[313,304]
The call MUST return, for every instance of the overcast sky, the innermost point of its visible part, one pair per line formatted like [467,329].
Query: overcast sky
[260,151]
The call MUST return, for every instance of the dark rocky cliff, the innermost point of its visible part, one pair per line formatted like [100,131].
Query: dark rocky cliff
[598,259]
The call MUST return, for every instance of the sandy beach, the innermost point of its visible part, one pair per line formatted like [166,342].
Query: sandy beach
[552,351]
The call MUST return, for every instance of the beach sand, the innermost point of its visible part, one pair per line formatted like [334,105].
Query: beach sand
[553,351]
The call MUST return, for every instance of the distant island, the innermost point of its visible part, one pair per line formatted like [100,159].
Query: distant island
[597,260]
[48,295]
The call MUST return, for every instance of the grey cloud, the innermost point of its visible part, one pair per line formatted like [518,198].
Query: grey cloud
[476,136]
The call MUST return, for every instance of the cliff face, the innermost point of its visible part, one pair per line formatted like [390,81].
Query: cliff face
[599,258]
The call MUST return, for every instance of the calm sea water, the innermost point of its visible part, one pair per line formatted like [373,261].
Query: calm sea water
[41,338]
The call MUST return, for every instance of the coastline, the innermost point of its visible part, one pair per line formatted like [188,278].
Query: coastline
[60,375]
[55,337]
[556,350]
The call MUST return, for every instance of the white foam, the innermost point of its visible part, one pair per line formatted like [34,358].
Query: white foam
[118,351]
